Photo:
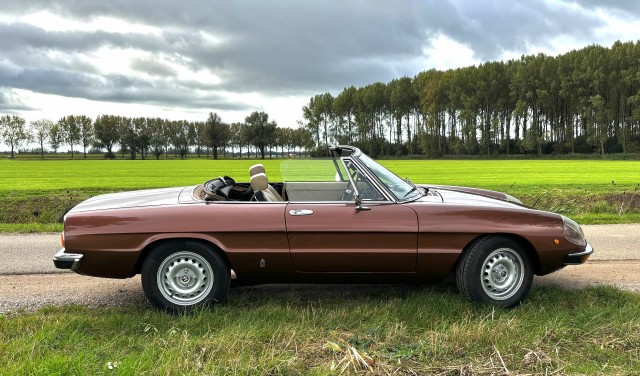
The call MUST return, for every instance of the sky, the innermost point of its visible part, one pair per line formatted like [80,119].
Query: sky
[184,59]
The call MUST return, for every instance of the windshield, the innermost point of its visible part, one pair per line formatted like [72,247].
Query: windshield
[321,169]
[399,187]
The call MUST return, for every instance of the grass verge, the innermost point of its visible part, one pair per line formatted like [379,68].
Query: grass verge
[25,228]
[332,330]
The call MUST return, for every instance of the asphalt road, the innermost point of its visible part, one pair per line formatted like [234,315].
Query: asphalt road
[30,280]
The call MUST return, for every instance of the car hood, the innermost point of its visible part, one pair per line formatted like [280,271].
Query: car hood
[147,197]
[472,196]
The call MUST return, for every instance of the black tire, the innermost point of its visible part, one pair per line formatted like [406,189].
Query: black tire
[495,270]
[192,274]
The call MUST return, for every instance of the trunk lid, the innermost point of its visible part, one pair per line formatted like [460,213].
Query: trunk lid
[147,197]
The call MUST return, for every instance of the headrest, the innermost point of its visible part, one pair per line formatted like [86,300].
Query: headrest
[256,169]
[259,182]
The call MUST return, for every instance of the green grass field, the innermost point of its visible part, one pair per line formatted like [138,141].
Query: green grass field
[522,176]
[323,330]
[35,194]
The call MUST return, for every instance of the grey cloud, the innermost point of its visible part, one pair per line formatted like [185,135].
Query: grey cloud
[10,103]
[354,27]
[27,64]
[326,46]
[632,7]
[275,47]
[284,48]
[153,68]
[114,88]
[268,46]
[492,27]
[20,37]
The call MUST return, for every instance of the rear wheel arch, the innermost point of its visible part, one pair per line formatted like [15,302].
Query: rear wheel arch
[214,246]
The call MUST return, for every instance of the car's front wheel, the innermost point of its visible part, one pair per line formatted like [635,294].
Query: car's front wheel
[179,276]
[495,270]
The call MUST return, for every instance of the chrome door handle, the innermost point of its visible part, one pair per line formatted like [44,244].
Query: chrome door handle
[300,212]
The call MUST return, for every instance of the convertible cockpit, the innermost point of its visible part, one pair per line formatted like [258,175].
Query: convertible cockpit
[338,179]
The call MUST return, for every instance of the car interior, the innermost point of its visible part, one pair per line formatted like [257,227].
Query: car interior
[225,188]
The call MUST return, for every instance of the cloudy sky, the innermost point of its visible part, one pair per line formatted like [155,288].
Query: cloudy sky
[182,59]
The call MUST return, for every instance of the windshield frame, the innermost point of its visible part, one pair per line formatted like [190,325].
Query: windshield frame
[363,161]
[382,175]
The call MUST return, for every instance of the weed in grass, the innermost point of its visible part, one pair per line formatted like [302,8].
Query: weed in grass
[349,358]
[624,201]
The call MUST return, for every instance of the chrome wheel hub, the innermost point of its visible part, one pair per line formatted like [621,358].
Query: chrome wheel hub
[185,278]
[502,274]
[499,273]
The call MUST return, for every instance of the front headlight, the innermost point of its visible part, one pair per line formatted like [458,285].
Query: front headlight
[573,232]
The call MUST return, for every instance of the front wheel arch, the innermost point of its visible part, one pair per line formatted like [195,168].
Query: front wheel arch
[530,250]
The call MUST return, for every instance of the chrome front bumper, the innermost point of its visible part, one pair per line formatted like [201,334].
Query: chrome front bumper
[579,257]
[67,260]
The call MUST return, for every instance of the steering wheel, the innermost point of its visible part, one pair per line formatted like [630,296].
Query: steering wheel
[216,187]
[210,186]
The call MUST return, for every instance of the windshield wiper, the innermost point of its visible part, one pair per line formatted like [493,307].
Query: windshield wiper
[413,189]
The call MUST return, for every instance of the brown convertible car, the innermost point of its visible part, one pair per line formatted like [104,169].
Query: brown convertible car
[351,220]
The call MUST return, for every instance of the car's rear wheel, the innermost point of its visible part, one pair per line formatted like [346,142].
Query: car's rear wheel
[495,270]
[179,276]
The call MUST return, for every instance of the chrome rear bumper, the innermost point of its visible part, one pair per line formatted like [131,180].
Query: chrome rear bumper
[67,260]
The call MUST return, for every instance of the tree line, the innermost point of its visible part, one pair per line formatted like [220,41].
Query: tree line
[584,101]
[140,136]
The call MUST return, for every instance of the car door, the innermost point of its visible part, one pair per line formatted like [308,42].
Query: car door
[335,237]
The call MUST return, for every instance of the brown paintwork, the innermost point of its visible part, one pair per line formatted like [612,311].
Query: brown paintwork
[338,238]
[447,229]
[422,239]
[244,231]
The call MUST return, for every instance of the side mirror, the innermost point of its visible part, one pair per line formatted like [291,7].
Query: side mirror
[359,206]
